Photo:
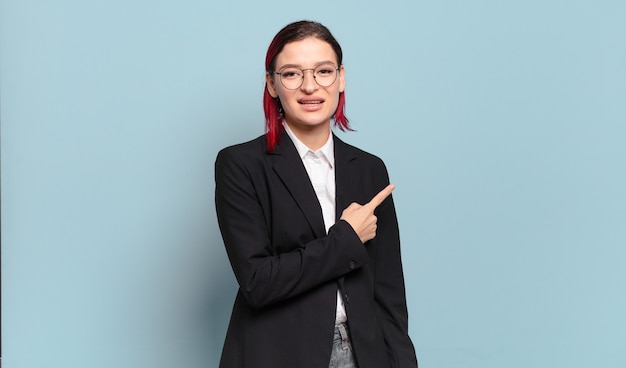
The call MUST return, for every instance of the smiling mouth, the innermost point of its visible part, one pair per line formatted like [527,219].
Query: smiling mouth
[311,102]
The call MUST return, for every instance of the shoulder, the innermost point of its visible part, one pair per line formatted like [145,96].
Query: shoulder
[242,158]
[245,152]
[353,153]
[255,146]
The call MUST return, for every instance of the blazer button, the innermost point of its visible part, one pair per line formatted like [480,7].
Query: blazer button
[352,265]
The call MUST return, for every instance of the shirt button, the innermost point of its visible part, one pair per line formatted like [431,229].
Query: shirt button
[352,265]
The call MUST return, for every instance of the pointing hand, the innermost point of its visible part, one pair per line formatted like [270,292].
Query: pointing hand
[361,217]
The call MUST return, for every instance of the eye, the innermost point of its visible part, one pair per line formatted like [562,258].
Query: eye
[325,70]
[291,73]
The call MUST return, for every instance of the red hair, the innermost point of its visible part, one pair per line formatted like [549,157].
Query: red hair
[271,106]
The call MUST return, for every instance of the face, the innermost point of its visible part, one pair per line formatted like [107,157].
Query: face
[310,106]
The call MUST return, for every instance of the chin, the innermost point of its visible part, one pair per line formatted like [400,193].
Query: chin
[310,121]
[314,124]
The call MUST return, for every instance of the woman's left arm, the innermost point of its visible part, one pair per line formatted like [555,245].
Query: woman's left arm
[389,293]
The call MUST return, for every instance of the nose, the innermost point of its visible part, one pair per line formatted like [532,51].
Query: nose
[309,85]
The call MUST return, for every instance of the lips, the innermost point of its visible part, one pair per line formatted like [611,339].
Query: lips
[310,101]
[311,104]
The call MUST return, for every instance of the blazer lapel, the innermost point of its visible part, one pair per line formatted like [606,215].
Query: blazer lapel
[289,167]
[346,184]
[346,176]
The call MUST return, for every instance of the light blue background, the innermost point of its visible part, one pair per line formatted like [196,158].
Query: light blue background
[501,122]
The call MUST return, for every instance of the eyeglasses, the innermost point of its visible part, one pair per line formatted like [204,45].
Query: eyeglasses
[292,78]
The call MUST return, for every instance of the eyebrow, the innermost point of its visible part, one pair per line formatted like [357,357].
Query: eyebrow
[300,66]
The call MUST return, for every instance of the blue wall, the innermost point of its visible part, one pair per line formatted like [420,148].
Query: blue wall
[502,124]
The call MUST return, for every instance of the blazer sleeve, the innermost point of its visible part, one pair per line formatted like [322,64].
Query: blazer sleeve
[389,293]
[264,277]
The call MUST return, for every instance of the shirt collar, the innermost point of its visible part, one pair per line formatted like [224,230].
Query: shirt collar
[327,150]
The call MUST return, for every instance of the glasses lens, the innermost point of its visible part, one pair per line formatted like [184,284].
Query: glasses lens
[291,78]
[325,75]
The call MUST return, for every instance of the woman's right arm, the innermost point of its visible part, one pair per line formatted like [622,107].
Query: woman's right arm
[264,277]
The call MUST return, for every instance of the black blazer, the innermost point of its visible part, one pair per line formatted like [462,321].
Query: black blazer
[289,269]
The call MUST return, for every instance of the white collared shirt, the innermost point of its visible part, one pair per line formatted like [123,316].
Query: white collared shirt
[320,166]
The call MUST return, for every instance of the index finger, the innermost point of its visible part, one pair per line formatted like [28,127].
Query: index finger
[380,197]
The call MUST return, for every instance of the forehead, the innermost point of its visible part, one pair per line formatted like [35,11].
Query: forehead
[306,52]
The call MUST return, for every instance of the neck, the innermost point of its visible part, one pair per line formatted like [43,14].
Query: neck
[312,137]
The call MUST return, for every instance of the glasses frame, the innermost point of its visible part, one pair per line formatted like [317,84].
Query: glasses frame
[280,76]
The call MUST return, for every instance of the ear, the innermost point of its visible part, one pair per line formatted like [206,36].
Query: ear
[269,83]
[342,79]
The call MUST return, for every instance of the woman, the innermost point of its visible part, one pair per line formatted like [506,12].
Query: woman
[309,226]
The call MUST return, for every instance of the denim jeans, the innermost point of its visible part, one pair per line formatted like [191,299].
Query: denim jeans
[341,356]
